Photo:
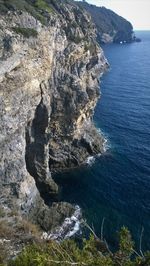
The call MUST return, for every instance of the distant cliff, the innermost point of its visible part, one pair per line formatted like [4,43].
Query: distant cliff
[110,26]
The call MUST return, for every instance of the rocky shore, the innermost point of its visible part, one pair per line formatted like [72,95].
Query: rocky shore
[49,87]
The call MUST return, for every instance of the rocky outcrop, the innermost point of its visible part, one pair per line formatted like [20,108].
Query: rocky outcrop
[48,91]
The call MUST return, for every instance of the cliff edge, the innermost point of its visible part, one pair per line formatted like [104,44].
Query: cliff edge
[50,64]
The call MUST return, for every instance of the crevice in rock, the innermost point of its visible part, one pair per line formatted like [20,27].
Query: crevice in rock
[37,153]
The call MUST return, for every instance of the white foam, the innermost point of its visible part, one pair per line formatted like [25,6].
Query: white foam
[90,160]
[70,227]
[106,145]
[75,229]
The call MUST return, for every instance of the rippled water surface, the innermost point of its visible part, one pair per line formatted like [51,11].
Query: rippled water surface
[117,185]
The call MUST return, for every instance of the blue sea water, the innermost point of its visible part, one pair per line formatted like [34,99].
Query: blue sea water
[117,186]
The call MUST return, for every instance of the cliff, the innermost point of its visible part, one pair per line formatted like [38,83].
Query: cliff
[110,26]
[50,64]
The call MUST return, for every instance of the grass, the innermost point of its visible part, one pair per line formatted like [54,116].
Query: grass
[28,228]
[6,231]
[26,32]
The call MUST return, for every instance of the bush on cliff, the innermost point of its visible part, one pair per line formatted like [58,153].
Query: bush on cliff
[91,252]
[26,32]
[41,4]
[36,8]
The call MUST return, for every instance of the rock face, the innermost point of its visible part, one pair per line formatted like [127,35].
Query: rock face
[110,26]
[48,92]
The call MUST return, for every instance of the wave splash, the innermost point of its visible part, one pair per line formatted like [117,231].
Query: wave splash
[106,146]
[70,227]
[90,160]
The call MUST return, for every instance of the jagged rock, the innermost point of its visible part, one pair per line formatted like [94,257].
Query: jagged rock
[48,92]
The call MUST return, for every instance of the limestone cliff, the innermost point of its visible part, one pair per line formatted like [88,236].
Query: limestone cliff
[48,91]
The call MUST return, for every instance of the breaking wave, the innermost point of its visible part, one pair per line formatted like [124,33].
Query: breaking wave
[70,227]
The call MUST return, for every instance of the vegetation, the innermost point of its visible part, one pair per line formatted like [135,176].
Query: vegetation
[2,212]
[41,4]
[27,228]
[6,231]
[26,32]
[90,46]
[93,251]
[15,231]
[35,7]
[74,38]
[90,252]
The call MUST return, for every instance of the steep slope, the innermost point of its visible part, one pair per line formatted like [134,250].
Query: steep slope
[49,69]
[110,26]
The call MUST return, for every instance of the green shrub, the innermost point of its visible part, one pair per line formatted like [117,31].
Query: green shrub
[90,46]
[67,253]
[42,4]
[125,244]
[91,252]
[74,38]
[26,32]
[33,7]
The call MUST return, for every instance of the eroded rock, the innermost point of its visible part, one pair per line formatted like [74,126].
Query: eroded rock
[48,92]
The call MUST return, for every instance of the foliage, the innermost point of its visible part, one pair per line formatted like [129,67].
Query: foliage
[26,32]
[67,253]
[89,46]
[76,39]
[90,252]
[34,7]
[126,243]
[41,4]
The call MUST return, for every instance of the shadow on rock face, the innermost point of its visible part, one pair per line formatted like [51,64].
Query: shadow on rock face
[37,153]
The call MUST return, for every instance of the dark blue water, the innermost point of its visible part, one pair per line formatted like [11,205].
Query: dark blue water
[117,185]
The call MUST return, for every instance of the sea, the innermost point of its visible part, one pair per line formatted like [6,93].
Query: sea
[114,188]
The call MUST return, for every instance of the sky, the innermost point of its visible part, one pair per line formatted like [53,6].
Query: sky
[136,11]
